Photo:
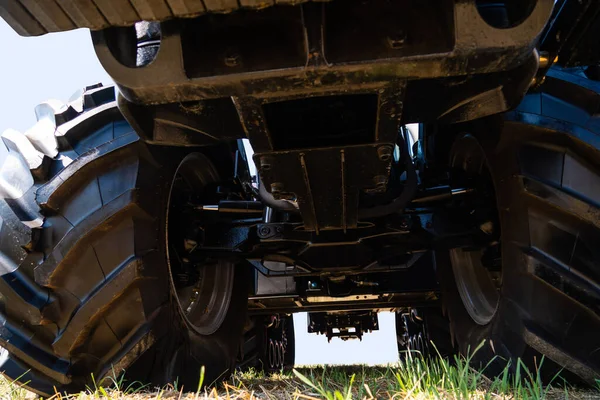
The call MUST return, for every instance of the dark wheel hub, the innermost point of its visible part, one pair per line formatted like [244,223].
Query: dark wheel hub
[202,289]
[476,285]
[477,269]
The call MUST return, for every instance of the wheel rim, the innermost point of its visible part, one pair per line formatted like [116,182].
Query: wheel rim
[421,343]
[478,286]
[271,354]
[281,354]
[202,290]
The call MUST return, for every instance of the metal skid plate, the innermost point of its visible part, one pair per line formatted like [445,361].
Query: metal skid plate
[325,182]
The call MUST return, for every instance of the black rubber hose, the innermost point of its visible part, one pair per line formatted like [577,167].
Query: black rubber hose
[408,193]
[267,199]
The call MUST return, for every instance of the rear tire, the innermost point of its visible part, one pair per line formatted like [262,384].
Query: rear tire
[85,284]
[544,164]
[269,344]
[423,331]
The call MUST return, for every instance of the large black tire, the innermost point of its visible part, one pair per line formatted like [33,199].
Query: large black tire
[260,334]
[423,331]
[85,284]
[544,160]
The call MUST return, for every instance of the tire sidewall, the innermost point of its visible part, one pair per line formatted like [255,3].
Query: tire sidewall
[500,339]
[182,351]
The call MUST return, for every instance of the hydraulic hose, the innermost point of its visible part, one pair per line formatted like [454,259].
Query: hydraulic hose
[408,193]
[267,199]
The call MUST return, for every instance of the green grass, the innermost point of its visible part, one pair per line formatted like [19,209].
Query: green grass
[412,378]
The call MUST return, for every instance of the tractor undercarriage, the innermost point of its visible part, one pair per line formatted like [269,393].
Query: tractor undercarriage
[340,208]
[337,206]
[339,158]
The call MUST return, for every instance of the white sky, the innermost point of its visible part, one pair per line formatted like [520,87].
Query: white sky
[378,347]
[34,69]
[55,66]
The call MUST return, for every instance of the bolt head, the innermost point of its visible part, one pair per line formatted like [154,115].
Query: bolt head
[265,163]
[232,60]
[385,153]
[397,40]
[380,182]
